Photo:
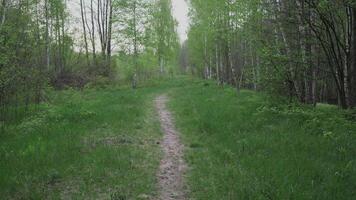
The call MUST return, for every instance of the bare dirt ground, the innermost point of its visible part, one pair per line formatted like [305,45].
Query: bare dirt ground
[172,166]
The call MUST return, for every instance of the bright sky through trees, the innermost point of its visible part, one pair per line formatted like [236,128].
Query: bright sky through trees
[180,12]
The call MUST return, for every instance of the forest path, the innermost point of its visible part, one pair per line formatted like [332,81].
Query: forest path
[172,166]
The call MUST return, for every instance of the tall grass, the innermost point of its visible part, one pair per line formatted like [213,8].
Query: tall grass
[103,144]
[239,146]
[90,144]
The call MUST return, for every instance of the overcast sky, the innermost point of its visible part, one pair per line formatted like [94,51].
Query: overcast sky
[180,12]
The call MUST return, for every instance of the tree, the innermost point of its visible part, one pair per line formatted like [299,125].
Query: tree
[84,23]
[165,36]
[303,49]
[132,18]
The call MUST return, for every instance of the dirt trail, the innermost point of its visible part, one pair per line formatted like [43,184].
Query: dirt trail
[172,167]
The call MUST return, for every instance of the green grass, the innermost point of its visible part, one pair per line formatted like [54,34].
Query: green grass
[102,144]
[94,143]
[240,146]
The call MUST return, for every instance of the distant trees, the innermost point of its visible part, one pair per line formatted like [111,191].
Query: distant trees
[304,49]
[39,49]
[184,58]
[147,29]
[132,16]
[165,36]
[97,27]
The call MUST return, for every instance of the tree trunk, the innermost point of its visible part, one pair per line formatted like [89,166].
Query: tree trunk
[217,62]
[281,8]
[3,14]
[47,35]
[109,33]
[161,64]
[135,40]
[353,60]
[82,12]
[347,58]
[93,31]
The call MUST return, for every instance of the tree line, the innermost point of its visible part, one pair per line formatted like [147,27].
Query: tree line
[44,45]
[302,49]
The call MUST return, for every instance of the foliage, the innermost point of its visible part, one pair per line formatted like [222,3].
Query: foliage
[41,47]
[302,49]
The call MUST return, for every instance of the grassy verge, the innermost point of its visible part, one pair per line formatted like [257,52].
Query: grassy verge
[96,144]
[241,147]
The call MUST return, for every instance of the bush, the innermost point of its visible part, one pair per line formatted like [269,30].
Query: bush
[100,82]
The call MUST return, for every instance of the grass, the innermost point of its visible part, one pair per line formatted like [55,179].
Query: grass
[100,144]
[103,144]
[240,146]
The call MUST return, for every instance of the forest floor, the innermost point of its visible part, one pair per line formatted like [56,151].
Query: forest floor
[122,144]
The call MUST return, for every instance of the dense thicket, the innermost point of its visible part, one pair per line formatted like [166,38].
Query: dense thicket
[34,49]
[303,49]
[56,43]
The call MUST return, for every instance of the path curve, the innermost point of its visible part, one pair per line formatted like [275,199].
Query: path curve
[172,166]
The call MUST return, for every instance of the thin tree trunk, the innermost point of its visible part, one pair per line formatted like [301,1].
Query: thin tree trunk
[134,83]
[353,59]
[47,35]
[93,31]
[280,8]
[82,11]
[63,55]
[217,63]
[347,58]
[253,65]
[109,33]
[3,17]
[101,27]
